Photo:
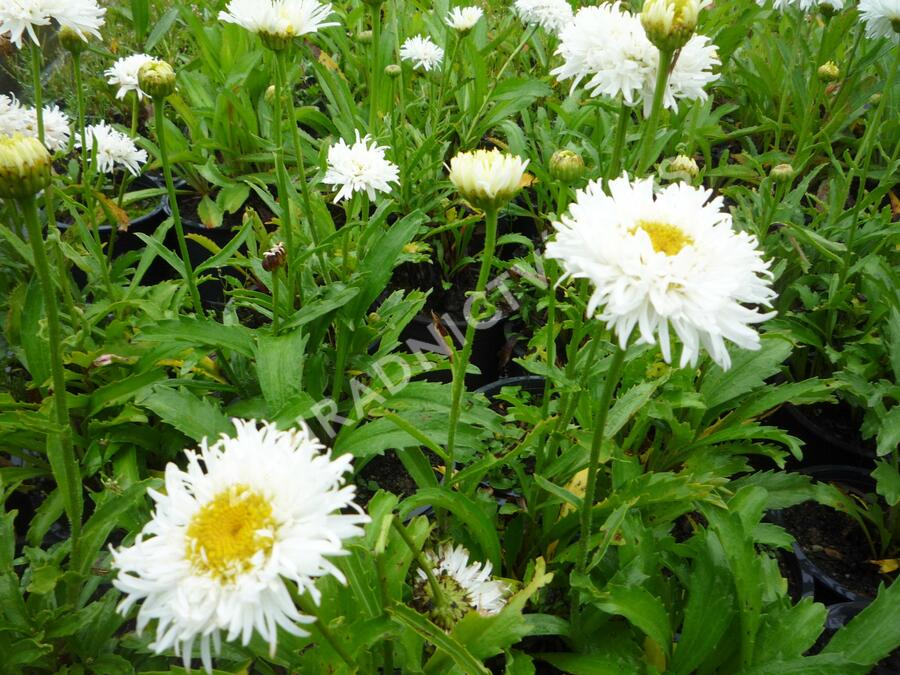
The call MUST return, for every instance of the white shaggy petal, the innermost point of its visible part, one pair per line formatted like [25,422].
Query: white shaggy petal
[359,168]
[282,18]
[485,595]
[423,53]
[113,148]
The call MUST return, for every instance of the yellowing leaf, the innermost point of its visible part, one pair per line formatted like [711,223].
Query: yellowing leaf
[887,565]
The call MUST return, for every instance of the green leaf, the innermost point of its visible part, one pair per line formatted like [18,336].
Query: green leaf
[163,252]
[788,632]
[887,482]
[641,608]
[34,342]
[467,513]
[889,432]
[201,333]
[418,623]
[209,212]
[873,633]
[591,664]
[195,418]
[12,605]
[749,369]
[279,367]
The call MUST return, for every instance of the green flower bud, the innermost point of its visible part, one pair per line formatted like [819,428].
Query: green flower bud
[669,24]
[157,79]
[276,41]
[71,41]
[24,167]
[829,72]
[566,166]
[456,605]
[392,70]
[683,167]
[782,173]
[270,93]
[364,37]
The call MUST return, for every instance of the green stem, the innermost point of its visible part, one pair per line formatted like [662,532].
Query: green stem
[603,405]
[36,61]
[134,113]
[662,76]
[65,469]
[615,162]
[375,80]
[287,224]
[312,609]
[459,368]
[159,120]
[423,563]
[276,308]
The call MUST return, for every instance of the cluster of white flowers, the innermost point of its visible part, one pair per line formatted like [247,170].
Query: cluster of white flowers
[463,19]
[423,53]
[18,119]
[551,15]
[279,18]
[249,517]
[607,46]
[661,260]
[882,18]
[20,16]
[124,74]
[804,5]
[113,148]
[359,168]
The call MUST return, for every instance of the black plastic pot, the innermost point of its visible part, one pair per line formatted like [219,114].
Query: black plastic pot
[830,590]
[530,383]
[823,444]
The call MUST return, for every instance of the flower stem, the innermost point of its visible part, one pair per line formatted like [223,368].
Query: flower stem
[276,308]
[422,562]
[662,76]
[62,459]
[462,362]
[287,224]
[159,120]
[375,80]
[36,60]
[311,609]
[615,162]
[603,405]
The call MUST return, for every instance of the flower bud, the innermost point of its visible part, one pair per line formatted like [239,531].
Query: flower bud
[71,41]
[274,258]
[828,8]
[829,72]
[487,178]
[566,166]
[364,37]
[669,24]
[156,79]
[270,93]
[683,168]
[782,173]
[24,167]
[392,70]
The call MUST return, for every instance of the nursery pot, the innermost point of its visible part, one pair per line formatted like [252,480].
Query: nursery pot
[829,434]
[821,559]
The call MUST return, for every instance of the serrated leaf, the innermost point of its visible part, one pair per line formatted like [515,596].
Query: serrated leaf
[195,418]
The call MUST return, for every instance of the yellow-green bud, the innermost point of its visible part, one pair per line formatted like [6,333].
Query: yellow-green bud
[392,70]
[683,167]
[875,98]
[364,36]
[566,166]
[24,167]
[829,72]
[782,172]
[669,24]
[270,93]
[71,41]
[157,79]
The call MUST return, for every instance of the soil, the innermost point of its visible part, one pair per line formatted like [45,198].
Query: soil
[833,425]
[834,541]
[386,472]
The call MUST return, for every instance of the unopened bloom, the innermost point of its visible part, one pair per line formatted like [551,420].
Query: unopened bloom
[487,178]
[661,260]
[551,15]
[113,148]
[682,167]
[566,166]
[24,167]
[882,18]
[157,79]
[277,22]
[466,587]
[422,52]
[359,168]
[669,24]
[18,17]
[463,19]
[250,517]
[124,74]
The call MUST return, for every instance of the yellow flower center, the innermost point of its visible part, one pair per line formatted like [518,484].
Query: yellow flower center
[225,534]
[665,238]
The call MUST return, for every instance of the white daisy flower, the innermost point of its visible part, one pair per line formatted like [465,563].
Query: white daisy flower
[113,147]
[56,127]
[422,52]
[250,517]
[359,168]
[468,586]
[124,74]
[487,178]
[665,259]
[283,19]
[551,15]
[463,19]
[882,18]
[804,5]
[608,47]
[13,117]
[20,16]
